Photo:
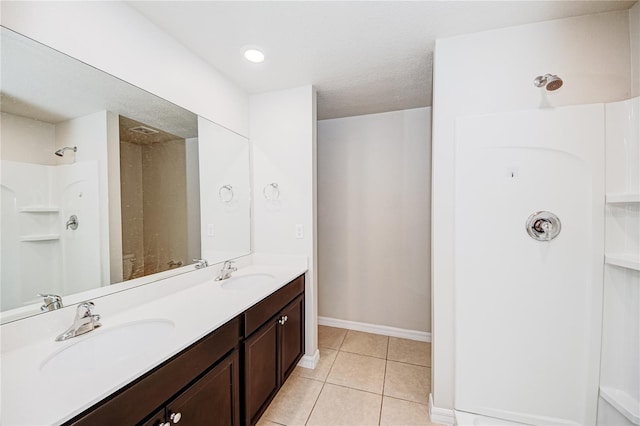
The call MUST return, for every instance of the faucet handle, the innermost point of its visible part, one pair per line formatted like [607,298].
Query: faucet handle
[201,263]
[85,309]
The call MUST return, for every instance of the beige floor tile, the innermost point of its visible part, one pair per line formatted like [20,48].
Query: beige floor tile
[396,412]
[327,357]
[342,406]
[263,422]
[330,337]
[365,344]
[358,371]
[409,351]
[406,381]
[294,402]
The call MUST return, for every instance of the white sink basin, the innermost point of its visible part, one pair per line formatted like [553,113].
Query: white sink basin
[108,347]
[248,282]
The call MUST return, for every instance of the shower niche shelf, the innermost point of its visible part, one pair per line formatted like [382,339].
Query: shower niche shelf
[39,209]
[624,260]
[625,404]
[623,198]
[36,238]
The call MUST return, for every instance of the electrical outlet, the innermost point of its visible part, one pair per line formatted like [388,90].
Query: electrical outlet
[210,229]
[299,231]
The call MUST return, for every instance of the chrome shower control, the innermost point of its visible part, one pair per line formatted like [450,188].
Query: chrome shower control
[543,226]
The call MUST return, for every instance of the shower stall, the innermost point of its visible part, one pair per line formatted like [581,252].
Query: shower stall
[528,309]
[50,230]
[530,258]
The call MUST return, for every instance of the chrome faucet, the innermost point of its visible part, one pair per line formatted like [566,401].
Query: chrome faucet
[51,302]
[84,322]
[201,263]
[226,271]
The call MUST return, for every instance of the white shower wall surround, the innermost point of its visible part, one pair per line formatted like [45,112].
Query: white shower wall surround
[39,254]
[528,312]
[563,347]
[619,402]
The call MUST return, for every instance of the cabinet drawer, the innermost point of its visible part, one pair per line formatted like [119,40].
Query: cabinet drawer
[260,313]
[150,392]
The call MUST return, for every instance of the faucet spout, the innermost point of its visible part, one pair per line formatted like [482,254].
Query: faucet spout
[84,322]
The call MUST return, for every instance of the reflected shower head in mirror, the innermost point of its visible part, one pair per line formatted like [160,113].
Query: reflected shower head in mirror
[60,152]
[550,82]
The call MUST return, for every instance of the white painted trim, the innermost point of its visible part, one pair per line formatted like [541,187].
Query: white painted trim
[441,415]
[310,361]
[421,336]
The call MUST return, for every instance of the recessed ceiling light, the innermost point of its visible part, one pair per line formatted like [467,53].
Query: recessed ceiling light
[254,55]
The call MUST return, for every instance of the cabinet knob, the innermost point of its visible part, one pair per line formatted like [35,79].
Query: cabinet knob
[283,319]
[175,417]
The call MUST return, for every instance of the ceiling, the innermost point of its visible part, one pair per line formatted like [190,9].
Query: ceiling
[362,56]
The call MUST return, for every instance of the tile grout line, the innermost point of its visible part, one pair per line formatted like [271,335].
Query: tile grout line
[324,382]
[314,404]
[384,382]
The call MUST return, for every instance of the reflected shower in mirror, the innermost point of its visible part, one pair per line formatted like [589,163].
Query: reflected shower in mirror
[102,182]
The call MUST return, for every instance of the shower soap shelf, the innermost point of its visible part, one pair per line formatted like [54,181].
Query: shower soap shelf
[621,401]
[39,209]
[623,198]
[34,238]
[624,260]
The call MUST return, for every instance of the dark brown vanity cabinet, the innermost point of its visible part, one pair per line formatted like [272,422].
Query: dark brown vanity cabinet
[202,384]
[226,378]
[272,350]
[212,400]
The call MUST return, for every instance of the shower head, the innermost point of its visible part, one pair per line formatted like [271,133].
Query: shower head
[60,152]
[550,82]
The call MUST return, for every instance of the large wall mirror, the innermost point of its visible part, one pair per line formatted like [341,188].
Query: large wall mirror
[104,183]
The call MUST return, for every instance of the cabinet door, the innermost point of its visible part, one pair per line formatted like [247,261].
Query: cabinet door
[211,401]
[260,370]
[156,420]
[291,336]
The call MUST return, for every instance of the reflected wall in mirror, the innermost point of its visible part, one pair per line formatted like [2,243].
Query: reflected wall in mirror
[102,182]
[225,193]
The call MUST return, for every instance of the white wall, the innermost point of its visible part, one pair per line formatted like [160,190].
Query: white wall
[283,139]
[374,174]
[493,71]
[634,36]
[115,38]
[27,140]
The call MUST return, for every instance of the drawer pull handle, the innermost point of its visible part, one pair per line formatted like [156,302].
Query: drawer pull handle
[283,319]
[175,417]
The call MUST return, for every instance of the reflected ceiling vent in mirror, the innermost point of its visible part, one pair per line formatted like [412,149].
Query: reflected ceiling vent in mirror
[140,133]
[144,130]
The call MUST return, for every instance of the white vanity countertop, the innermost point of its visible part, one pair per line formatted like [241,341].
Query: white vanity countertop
[30,396]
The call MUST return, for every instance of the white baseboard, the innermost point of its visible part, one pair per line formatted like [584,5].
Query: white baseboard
[384,330]
[441,415]
[310,361]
